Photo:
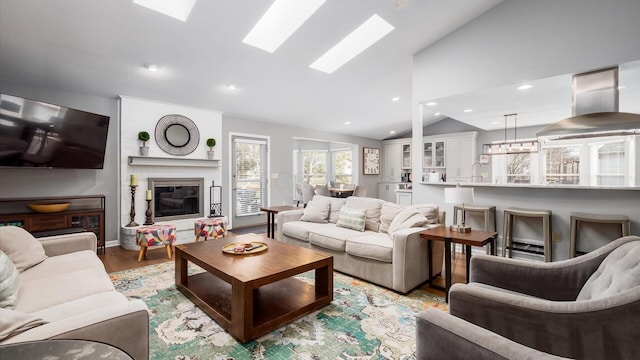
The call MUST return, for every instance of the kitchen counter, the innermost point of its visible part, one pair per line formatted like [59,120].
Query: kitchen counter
[533,186]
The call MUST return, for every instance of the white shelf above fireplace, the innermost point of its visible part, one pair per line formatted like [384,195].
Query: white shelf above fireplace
[163,161]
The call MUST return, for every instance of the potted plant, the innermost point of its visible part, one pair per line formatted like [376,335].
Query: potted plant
[144,137]
[211,142]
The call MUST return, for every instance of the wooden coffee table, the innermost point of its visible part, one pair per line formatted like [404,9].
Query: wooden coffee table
[251,295]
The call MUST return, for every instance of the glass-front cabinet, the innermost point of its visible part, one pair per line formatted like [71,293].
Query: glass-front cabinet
[406,156]
[433,154]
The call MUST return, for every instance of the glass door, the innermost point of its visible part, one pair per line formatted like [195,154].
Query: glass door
[249,179]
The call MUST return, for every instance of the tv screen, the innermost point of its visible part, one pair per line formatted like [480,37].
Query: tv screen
[38,134]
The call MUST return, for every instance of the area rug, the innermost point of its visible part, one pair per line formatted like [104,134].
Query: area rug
[364,321]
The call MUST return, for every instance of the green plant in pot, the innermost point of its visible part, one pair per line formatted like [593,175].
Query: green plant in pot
[144,137]
[211,142]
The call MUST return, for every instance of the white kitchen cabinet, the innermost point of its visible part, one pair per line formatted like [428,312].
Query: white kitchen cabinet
[387,191]
[406,156]
[461,153]
[404,198]
[391,162]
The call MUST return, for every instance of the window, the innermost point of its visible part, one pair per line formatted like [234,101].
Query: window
[518,168]
[562,165]
[342,163]
[250,175]
[314,164]
[609,163]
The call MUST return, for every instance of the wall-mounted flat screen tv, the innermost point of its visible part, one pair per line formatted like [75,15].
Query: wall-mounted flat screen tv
[38,134]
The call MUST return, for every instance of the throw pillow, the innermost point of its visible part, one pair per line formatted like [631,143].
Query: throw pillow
[317,210]
[388,212]
[352,218]
[430,211]
[407,218]
[371,205]
[336,205]
[9,282]
[21,247]
[618,272]
[14,322]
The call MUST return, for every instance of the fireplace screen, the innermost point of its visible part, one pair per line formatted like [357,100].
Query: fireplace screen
[177,198]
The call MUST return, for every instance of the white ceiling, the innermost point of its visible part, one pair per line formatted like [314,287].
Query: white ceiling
[548,101]
[99,47]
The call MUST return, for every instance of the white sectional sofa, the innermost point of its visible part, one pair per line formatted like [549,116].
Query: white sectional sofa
[64,292]
[388,251]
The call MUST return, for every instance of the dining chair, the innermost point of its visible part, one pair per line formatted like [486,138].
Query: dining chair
[297,196]
[307,193]
[322,190]
[360,190]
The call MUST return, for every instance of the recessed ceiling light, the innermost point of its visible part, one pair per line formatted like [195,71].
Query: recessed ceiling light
[495,122]
[524,87]
[281,20]
[436,114]
[432,103]
[367,34]
[621,87]
[151,67]
[347,122]
[232,87]
[392,132]
[395,99]
[468,110]
[177,9]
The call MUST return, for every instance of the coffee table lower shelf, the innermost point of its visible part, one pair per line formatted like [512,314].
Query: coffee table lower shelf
[271,306]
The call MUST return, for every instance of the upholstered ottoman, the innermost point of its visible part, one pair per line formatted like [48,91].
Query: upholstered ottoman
[155,235]
[210,228]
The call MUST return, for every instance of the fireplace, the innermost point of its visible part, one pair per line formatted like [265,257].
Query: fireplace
[175,198]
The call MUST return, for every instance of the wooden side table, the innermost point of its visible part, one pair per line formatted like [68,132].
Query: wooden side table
[473,238]
[271,217]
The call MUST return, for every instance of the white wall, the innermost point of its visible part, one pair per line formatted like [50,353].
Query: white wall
[517,41]
[142,115]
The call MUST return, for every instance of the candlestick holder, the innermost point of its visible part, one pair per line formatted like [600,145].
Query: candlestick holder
[132,214]
[148,213]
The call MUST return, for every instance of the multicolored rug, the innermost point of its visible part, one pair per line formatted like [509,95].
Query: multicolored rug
[364,321]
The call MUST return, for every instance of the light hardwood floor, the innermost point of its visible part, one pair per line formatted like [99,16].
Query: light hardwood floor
[118,259]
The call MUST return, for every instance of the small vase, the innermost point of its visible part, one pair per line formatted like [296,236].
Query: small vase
[144,151]
[210,154]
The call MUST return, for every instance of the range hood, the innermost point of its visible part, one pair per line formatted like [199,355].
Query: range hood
[595,109]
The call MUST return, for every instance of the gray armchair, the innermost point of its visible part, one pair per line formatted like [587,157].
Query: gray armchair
[583,308]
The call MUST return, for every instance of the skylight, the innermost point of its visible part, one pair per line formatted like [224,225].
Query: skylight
[353,44]
[281,20]
[178,9]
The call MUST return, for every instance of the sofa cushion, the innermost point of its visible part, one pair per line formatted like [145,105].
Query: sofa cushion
[21,247]
[353,219]
[81,306]
[388,212]
[430,211]
[62,278]
[9,282]
[334,211]
[407,218]
[300,229]
[14,322]
[618,272]
[376,246]
[317,210]
[372,206]
[332,237]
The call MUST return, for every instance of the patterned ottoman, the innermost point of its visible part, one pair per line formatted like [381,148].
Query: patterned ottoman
[210,227]
[155,235]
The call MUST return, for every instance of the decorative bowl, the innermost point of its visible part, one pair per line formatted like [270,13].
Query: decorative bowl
[49,208]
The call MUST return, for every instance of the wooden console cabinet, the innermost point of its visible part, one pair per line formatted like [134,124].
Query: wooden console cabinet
[86,213]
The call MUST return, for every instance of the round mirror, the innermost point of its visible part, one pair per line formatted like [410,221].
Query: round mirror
[177,135]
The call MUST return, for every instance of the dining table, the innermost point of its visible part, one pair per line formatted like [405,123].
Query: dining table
[340,192]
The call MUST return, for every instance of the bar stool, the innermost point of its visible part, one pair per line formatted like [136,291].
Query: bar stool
[577,217]
[210,228]
[487,212]
[155,235]
[507,234]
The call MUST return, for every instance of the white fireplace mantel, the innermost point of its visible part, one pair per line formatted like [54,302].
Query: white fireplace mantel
[165,161]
